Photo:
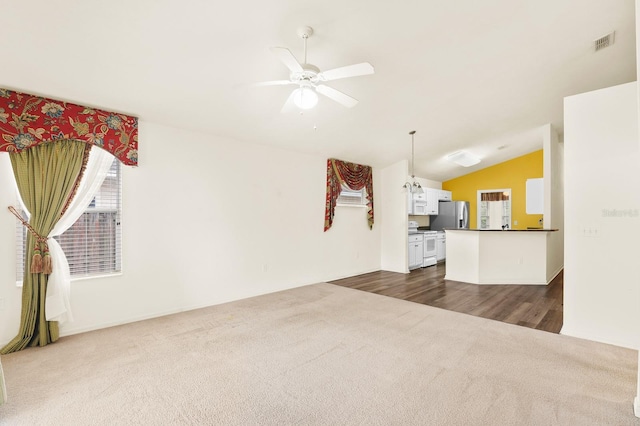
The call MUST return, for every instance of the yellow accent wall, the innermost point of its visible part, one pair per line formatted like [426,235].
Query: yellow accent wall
[510,174]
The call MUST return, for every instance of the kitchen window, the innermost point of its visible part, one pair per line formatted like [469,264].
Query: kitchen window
[92,244]
[494,208]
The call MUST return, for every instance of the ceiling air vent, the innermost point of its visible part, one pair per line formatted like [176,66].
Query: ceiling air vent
[604,41]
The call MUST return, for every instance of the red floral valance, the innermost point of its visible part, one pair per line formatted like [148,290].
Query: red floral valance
[29,120]
[356,177]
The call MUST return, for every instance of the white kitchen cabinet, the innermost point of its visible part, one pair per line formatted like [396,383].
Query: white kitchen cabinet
[441,247]
[432,196]
[444,195]
[425,203]
[420,196]
[535,196]
[416,250]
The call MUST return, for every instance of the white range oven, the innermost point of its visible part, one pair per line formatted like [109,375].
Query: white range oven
[430,248]
[430,252]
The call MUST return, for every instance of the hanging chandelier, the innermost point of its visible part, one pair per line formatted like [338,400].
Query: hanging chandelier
[413,187]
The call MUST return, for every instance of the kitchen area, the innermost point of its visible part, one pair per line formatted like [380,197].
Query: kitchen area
[492,249]
[430,213]
[508,229]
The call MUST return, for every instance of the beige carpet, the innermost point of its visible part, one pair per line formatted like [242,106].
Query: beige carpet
[320,355]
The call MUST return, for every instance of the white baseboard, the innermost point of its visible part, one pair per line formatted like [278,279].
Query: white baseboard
[588,334]
[341,276]
[555,274]
[636,407]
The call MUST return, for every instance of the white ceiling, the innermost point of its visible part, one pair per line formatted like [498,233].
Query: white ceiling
[465,74]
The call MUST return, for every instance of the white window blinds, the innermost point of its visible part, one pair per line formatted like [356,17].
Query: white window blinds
[353,198]
[92,244]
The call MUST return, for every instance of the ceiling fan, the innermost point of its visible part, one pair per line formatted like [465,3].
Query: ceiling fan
[310,79]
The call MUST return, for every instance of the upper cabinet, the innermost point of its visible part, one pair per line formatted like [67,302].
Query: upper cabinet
[432,195]
[444,195]
[426,203]
[535,196]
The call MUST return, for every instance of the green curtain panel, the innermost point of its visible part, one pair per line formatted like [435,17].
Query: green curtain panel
[46,176]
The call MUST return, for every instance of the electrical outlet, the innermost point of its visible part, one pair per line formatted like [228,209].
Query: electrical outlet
[590,231]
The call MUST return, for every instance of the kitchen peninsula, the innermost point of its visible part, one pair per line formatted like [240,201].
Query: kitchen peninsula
[483,256]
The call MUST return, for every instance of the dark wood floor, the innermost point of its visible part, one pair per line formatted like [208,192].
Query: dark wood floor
[532,306]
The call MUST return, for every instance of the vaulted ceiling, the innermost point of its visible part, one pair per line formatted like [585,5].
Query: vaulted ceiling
[477,75]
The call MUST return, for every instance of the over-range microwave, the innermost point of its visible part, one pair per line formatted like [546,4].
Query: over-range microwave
[420,204]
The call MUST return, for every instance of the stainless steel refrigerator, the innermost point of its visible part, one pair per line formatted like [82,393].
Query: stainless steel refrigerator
[451,215]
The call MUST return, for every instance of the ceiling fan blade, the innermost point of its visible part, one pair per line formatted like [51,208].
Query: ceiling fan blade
[287,58]
[274,83]
[355,70]
[337,96]
[289,105]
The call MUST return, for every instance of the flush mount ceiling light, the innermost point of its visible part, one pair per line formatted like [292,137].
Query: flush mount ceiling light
[463,158]
[413,187]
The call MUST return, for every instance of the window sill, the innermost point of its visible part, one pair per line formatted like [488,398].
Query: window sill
[84,278]
[351,205]
[90,277]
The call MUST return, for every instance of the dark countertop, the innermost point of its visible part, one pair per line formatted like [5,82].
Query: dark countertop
[506,230]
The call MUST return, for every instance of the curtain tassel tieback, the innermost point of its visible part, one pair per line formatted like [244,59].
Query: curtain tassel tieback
[36,261]
[41,260]
[47,267]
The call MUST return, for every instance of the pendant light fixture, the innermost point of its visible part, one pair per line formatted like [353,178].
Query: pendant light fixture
[413,187]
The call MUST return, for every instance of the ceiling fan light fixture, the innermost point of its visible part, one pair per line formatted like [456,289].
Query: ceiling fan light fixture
[309,77]
[305,98]
[463,158]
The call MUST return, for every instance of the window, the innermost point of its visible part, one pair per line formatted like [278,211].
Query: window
[350,197]
[494,208]
[92,244]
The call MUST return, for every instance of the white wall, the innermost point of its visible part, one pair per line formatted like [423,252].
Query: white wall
[426,183]
[636,402]
[394,233]
[553,172]
[602,154]
[10,295]
[207,220]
